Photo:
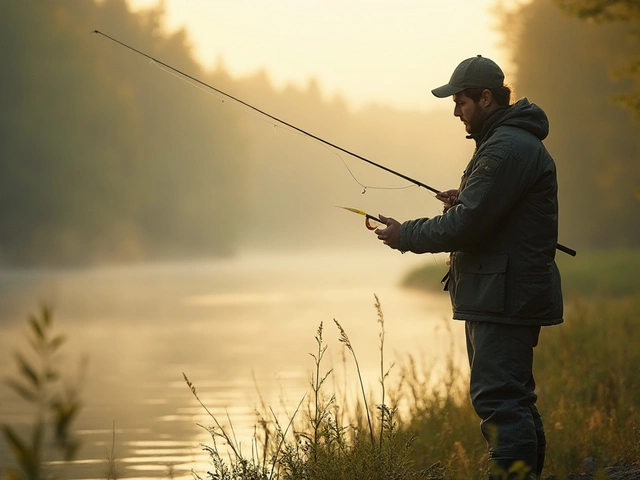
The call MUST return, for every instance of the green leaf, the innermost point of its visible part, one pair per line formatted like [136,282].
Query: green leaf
[35,326]
[26,457]
[64,413]
[18,447]
[47,315]
[27,370]
[55,343]
[22,390]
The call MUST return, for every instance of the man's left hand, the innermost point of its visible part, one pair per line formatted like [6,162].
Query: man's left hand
[389,235]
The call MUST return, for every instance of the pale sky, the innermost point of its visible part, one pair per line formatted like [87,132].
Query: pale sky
[384,51]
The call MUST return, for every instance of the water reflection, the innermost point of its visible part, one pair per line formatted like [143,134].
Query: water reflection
[240,329]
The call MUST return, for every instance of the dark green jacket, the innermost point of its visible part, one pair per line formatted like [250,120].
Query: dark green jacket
[503,228]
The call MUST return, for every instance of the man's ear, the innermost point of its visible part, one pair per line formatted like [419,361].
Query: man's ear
[486,98]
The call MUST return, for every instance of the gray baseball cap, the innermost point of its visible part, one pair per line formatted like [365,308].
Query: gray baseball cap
[474,72]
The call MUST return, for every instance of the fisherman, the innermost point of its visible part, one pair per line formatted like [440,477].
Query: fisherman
[500,227]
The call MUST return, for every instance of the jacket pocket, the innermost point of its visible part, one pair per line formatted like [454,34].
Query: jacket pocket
[537,296]
[480,283]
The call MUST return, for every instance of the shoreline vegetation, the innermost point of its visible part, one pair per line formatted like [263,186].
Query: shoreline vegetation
[407,427]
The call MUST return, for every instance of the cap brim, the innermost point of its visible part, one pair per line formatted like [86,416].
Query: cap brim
[446,91]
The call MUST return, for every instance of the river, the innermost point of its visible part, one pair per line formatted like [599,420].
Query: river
[241,329]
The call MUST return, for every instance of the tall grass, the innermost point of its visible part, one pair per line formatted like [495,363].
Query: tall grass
[589,384]
[588,381]
[317,444]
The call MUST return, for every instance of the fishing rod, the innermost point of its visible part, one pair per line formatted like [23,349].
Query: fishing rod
[287,124]
[268,115]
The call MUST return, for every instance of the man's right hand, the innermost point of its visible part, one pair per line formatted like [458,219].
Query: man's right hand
[448,198]
[389,235]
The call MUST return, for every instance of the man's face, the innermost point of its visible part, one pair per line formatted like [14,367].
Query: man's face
[470,113]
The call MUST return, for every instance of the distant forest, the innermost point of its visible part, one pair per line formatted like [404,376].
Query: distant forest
[105,157]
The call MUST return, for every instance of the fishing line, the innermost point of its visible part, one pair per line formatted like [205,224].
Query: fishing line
[261,118]
[188,81]
[272,117]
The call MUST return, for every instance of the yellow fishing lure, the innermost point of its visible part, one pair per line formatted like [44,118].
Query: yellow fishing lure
[370,221]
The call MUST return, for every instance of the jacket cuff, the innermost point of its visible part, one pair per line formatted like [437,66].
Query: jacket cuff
[403,238]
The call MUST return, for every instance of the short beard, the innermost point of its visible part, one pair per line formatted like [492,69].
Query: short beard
[475,123]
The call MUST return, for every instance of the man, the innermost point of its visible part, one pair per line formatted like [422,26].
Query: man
[501,228]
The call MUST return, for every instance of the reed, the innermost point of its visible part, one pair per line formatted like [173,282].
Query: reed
[319,446]
[111,469]
[55,402]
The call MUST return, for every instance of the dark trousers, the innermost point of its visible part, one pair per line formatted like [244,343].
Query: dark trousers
[502,393]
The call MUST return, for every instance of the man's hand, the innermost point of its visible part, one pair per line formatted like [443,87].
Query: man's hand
[448,198]
[389,235]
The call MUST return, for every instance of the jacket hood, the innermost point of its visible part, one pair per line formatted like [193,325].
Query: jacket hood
[522,114]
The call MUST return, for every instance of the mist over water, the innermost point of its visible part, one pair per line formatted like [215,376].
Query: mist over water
[241,329]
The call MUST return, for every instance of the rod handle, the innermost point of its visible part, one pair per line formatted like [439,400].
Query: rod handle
[568,250]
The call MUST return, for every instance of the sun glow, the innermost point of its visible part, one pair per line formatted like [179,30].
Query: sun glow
[366,51]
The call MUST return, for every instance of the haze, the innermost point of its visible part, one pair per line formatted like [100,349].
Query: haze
[390,52]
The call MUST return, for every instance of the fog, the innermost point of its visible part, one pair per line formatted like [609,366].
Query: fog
[110,159]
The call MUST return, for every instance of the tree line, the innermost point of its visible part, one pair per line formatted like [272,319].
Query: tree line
[97,162]
[105,157]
